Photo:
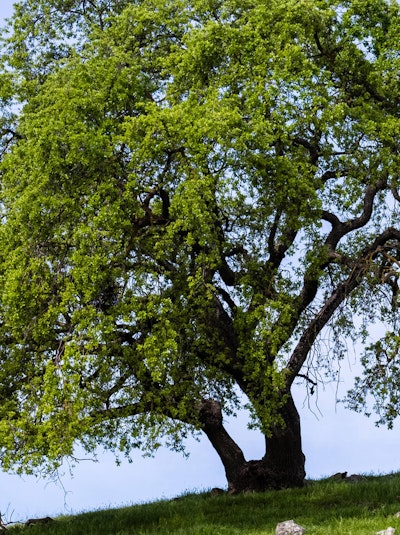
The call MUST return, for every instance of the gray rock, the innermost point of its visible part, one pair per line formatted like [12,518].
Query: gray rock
[44,520]
[387,531]
[216,491]
[340,476]
[289,527]
[355,478]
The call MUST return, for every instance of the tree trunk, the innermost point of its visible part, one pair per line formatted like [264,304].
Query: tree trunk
[281,467]
[284,456]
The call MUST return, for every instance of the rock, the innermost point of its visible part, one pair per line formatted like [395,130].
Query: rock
[354,478]
[44,520]
[387,531]
[217,492]
[397,515]
[340,476]
[289,527]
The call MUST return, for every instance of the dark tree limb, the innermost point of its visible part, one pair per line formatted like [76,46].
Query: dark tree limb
[212,424]
[278,250]
[395,193]
[338,296]
[341,229]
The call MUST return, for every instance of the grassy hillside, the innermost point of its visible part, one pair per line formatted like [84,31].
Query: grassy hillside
[323,508]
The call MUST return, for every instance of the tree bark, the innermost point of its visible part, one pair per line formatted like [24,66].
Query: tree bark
[281,467]
[284,456]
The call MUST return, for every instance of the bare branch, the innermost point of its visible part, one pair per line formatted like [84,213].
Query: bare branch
[3,527]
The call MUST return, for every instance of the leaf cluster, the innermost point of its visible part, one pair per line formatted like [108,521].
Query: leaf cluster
[192,192]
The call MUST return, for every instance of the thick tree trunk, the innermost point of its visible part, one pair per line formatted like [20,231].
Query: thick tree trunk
[281,467]
[284,456]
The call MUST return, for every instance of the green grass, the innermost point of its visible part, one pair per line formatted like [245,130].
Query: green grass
[322,507]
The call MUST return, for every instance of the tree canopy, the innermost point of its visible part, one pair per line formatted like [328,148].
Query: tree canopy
[192,192]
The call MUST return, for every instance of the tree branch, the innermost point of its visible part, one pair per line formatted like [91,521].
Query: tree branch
[395,193]
[212,424]
[277,251]
[313,149]
[340,229]
[342,291]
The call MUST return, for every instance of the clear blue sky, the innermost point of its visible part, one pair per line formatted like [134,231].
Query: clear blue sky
[337,441]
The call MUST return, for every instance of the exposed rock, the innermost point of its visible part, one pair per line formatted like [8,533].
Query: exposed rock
[355,478]
[342,476]
[44,520]
[216,492]
[289,527]
[387,531]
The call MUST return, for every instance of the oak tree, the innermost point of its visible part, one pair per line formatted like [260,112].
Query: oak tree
[193,193]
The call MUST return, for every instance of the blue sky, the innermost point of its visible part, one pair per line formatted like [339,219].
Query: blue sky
[335,441]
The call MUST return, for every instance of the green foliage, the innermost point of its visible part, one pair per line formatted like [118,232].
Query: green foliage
[191,192]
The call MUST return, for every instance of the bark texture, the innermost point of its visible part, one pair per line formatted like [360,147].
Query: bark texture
[281,467]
